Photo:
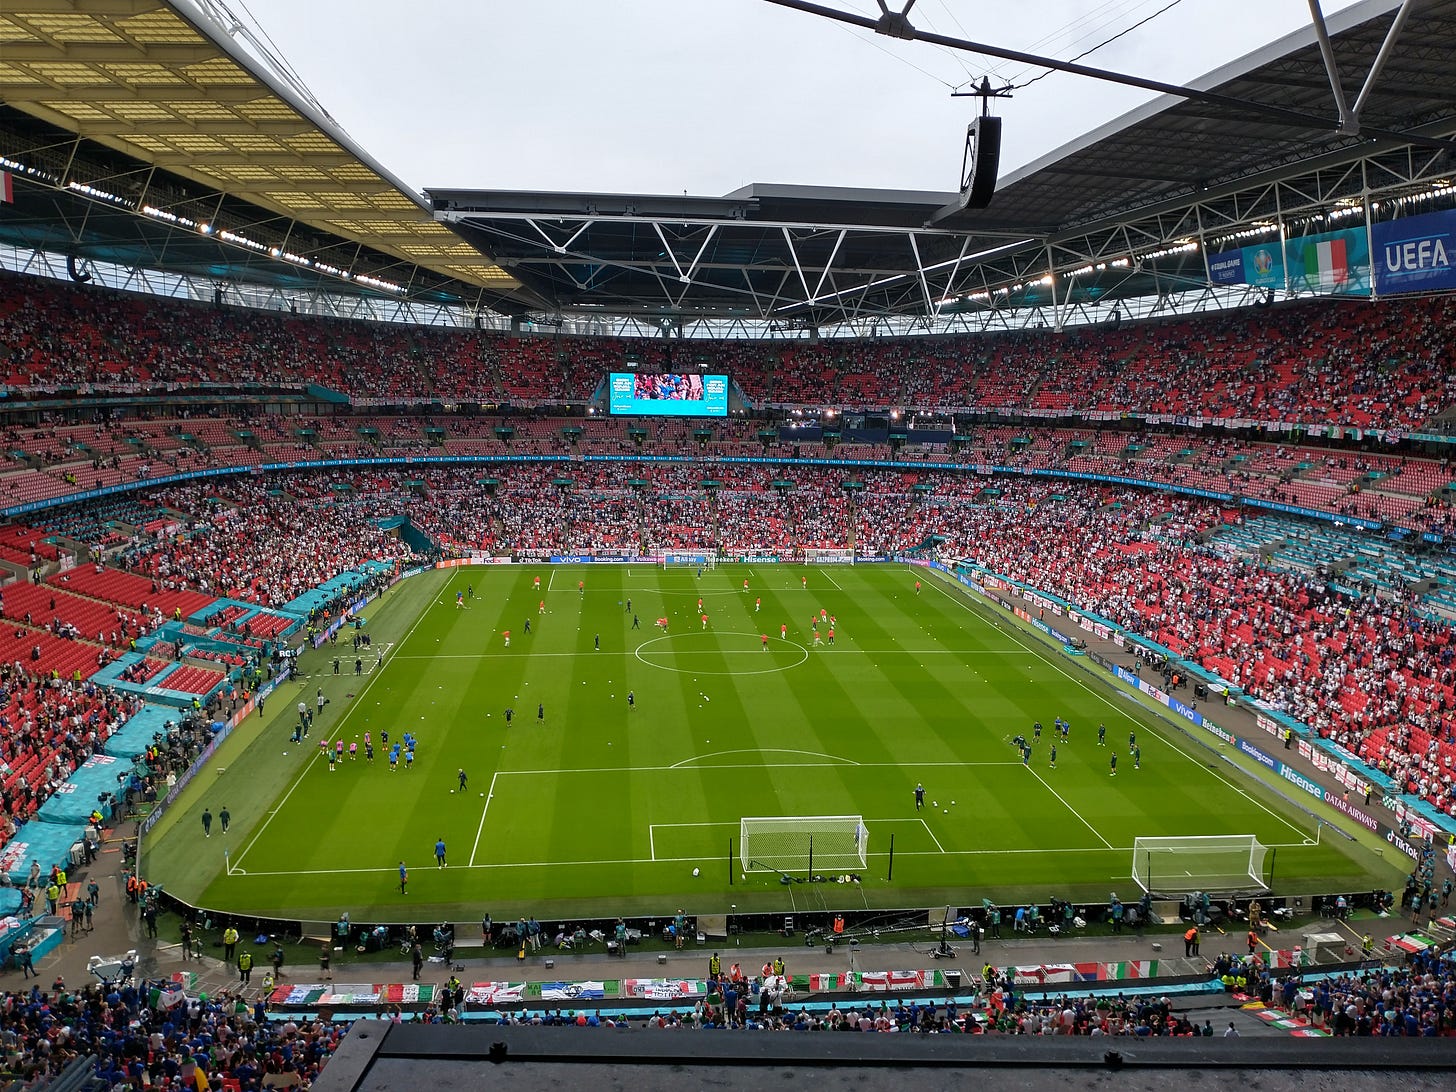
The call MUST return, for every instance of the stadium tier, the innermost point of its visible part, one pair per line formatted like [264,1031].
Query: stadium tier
[448,630]
[1359,365]
[1342,631]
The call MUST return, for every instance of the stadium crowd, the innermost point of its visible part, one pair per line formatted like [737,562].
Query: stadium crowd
[48,463]
[245,540]
[142,1036]
[1357,364]
[138,1045]
[48,728]
[1375,674]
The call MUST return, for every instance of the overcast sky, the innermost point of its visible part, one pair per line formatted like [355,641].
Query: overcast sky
[703,96]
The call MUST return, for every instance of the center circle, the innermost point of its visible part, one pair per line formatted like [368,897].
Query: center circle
[679,639]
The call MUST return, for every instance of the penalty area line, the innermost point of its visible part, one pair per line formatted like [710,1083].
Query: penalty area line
[1105,697]
[1069,807]
[933,838]
[489,796]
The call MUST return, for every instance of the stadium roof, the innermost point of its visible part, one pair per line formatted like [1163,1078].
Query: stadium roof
[1130,207]
[179,117]
[163,135]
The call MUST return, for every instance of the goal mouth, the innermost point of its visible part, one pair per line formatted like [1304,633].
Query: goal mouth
[1227,863]
[789,844]
[692,559]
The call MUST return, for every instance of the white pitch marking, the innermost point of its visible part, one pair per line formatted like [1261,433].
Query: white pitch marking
[1069,807]
[841,651]
[930,832]
[767,751]
[1106,700]
[338,728]
[489,796]
[745,766]
[696,860]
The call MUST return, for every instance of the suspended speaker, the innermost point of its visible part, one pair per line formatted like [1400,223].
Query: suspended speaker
[74,269]
[981,163]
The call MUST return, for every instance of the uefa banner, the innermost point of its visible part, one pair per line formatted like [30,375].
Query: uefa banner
[1334,263]
[1262,266]
[1415,254]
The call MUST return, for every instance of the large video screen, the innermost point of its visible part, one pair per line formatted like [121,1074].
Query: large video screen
[652,394]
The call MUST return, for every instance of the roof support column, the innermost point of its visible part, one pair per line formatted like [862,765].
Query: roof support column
[1369,226]
[1283,236]
[920,272]
[794,254]
[1052,276]
[1327,51]
[1386,48]
[829,264]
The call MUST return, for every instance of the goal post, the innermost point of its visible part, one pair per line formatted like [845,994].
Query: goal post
[803,843]
[1176,866]
[837,556]
[698,559]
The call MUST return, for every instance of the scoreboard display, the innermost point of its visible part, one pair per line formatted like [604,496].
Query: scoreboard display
[658,394]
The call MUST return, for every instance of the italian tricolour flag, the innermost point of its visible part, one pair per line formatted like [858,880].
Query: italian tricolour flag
[1326,263]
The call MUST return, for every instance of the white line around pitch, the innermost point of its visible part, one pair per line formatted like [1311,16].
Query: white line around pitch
[840,651]
[497,865]
[337,731]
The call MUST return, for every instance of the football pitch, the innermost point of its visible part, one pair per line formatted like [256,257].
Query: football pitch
[588,804]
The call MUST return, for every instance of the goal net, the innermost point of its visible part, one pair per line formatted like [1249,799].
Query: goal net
[700,559]
[1172,866]
[803,843]
[828,557]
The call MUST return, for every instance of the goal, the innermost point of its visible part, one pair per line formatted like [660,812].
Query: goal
[828,557]
[803,843]
[700,559]
[1175,866]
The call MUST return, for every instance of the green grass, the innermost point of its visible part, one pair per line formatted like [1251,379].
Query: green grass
[603,809]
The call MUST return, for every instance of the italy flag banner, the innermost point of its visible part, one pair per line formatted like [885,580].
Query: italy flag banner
[1327,263]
